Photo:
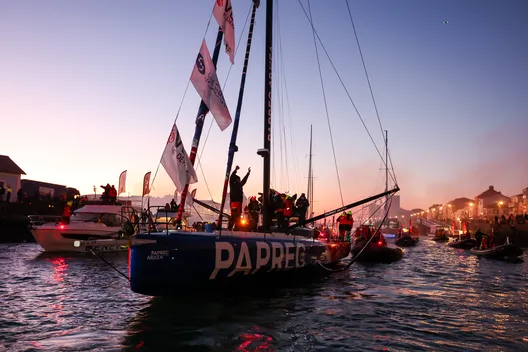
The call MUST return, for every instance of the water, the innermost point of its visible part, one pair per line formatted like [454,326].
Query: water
[436,298]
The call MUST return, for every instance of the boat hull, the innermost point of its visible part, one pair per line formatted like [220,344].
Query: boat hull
[442,238]
[499,252]
[182,262]
[61,238]
[406,241]
[376,254]
[467,243]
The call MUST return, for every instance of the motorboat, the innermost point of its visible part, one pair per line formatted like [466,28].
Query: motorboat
[94,221]
[440,236]
[466,243]
[377,251]
[507,251]
[407,241]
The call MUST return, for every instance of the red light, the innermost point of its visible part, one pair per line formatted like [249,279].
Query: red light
[61,226]
[380,243]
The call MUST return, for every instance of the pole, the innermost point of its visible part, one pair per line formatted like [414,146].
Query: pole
[310,178]
[232,145]
[266,151]
[202,111]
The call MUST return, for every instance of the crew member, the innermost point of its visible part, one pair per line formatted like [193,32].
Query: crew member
[236,193]
[346,222]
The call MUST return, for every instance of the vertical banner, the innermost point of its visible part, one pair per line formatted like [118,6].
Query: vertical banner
[122,183]
[146,184]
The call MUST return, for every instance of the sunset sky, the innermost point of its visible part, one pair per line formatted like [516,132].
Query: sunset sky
[91,88]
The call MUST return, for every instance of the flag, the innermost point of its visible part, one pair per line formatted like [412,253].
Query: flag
[193,195]
[176,161]
[146,184]
[122,183]
[223,12]
[206,83]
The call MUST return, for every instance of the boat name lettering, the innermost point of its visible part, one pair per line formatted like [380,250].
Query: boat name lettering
[270,256]
[102,248]
[157,255]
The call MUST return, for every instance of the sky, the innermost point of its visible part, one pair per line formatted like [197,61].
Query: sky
[91,88]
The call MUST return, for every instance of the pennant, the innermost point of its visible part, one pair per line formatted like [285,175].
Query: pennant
[223,12]
[205,81]
[122,183]
[176,161]
[193,195]
[146,184]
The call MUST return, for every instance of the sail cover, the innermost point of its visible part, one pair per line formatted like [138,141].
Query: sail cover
[176,161]
[223,12]
[206,83]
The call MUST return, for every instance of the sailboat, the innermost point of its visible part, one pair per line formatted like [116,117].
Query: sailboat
[172,262]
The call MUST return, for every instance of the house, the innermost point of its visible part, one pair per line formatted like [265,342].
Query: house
[517,204]
[10,175]
[459,208]
[491,203]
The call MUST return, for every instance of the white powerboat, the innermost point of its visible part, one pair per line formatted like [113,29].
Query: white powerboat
[88,224]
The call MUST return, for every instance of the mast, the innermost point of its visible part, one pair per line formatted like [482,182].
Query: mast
[266,151]
[386,170]
[232,145]
[200,117]
[310,178]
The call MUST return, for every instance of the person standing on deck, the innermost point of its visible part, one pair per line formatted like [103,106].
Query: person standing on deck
[236,194]
[346,221]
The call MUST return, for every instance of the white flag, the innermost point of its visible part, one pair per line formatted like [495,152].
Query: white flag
[176,161]
[206,83]
[122,183]
[223,13]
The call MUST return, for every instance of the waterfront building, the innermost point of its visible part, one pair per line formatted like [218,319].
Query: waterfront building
[10,174]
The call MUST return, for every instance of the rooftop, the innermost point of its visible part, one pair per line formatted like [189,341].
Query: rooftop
[8,166]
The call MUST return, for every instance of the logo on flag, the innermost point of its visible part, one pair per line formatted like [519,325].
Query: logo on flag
[200,65]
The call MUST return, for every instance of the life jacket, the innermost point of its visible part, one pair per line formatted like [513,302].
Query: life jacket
[67,211]
[345,219]
[288,208]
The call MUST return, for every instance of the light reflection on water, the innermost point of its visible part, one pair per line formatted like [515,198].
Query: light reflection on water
[435,298]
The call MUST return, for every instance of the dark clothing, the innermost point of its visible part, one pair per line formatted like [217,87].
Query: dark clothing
[236,192]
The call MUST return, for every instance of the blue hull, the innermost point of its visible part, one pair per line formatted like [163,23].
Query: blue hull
[182,262]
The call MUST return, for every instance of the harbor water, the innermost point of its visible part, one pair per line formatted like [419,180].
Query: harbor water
[435,299]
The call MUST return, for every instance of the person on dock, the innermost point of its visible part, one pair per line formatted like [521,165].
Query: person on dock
[236,194]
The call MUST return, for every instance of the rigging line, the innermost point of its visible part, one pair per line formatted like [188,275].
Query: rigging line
[326,107]
[369,84]
[392,168]
[205,180]
[283,72]
[353,260]
[364,67]
[341,81]
[177,114]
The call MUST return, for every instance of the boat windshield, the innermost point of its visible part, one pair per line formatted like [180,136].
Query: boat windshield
[107,219]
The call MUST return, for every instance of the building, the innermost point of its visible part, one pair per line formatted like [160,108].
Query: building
[10,174]
[40,190]
[491,203]
[460,208]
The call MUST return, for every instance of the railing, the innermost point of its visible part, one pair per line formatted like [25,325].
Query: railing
[37,220]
